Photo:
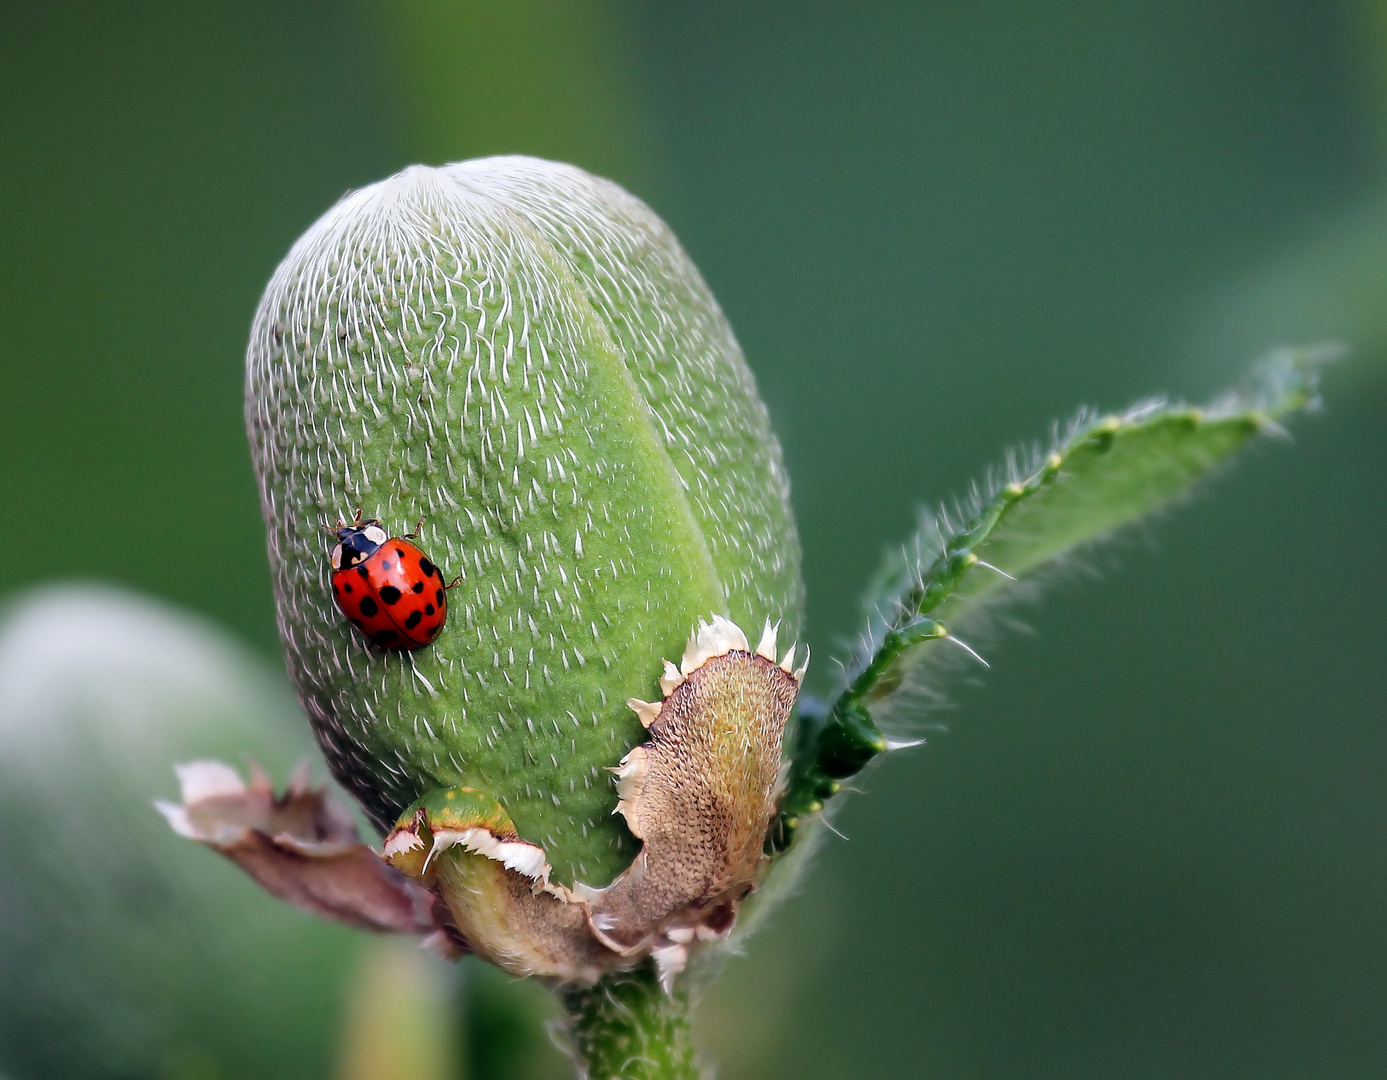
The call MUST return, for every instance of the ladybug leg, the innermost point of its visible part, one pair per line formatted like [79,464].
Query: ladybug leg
[452,583]
[357,522]
[417,528]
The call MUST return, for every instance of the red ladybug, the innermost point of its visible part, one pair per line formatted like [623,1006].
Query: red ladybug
[387,587]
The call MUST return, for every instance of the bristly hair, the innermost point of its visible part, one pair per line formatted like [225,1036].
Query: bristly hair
[905,570]
[895,592]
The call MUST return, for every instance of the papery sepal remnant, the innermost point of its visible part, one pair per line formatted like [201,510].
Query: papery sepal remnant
[301,846]
[700,794]
[463,846]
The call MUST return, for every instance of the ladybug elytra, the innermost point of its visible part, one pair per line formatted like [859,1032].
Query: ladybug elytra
[387,587]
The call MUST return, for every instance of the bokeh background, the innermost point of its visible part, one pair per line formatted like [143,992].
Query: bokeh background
[1153,842]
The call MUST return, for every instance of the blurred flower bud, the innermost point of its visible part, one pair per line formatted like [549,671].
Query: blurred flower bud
[122,954]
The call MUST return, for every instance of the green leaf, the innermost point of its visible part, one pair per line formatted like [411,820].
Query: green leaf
[1104,473]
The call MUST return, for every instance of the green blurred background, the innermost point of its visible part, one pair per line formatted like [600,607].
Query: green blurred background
[1154,842]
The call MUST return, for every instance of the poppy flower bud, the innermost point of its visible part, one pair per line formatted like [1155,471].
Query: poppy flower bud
[522,355]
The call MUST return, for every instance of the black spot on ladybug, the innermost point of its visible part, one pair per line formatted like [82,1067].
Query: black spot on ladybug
[418,587]
[401,553]
[389,594]
[369,607]
[431,631]
[413,620]
[428,609]
[438,597]
[428,568]
[346,588]
[363,571]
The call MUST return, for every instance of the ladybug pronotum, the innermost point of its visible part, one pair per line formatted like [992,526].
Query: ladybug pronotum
[387,587]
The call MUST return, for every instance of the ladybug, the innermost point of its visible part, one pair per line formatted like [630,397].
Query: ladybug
[387,587]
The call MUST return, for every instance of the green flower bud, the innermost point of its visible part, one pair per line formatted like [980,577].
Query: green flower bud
[522,355]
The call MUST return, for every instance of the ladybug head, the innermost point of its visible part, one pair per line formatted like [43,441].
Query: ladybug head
[355,543]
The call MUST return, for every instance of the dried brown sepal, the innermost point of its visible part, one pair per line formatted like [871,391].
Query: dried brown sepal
[462,844]
[700,794]
[300,846]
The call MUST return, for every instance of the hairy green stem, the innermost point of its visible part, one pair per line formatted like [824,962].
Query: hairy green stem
[628,1027]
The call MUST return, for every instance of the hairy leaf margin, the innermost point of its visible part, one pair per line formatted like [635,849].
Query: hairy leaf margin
[1100,474]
